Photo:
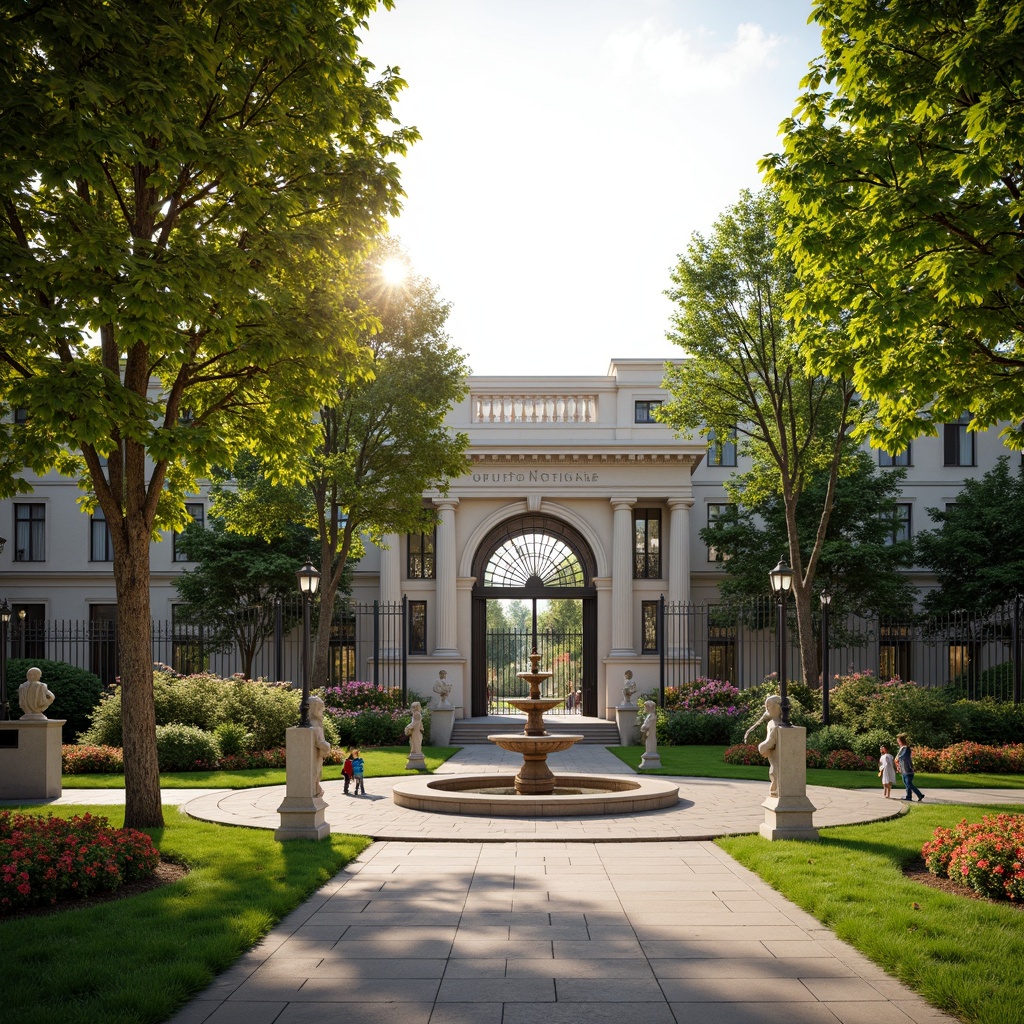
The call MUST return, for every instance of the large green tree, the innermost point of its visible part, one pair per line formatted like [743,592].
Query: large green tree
[977,549]
[861,564]
[742,371]
[382,439]
[232,589]
[182,186]
[902,173]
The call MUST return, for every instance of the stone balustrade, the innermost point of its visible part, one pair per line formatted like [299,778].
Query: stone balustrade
[545,408]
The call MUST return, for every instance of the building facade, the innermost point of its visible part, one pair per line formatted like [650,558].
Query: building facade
[575,491]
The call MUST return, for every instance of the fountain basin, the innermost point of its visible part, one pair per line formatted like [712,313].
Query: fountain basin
[475,795]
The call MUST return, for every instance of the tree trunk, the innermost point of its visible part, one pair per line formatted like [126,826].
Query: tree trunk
[143,808]
[805,632]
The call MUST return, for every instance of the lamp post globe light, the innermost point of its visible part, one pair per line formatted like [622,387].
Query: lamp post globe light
[826,601]
[309,580]
[781,579]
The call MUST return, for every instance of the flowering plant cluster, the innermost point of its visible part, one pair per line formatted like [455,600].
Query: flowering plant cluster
[847,760]
[974,757]
[358,696]
[369,715]
[986,857]
[45,859]
[89,759]
[744,753]
[706,696]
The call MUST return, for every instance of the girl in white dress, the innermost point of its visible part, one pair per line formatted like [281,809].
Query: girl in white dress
[886,770]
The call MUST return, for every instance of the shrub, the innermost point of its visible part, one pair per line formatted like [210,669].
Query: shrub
[84,760]
[232,738]
[44,859]
[711,696]
[814,758]
[848,761]
[265,710]
[987,857]
[76,692]
[366,715]
[744,753]
[926,759]
[867,743]
[188,700]
[693,727]
[830,738]
[971,757]
[184,748]
[105,721]
[988,721]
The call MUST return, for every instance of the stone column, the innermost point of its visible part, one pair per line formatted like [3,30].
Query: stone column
[391,569]
[447,591]
[679,569]
[622,576]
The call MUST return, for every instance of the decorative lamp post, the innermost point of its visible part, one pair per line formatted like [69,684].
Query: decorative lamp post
[826,601]
[5,618]
[781,578]
[309,580]
[21,623]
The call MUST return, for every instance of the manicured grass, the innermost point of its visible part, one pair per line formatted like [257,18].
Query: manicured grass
[963,955]
[136,960]
[707,763]
[379,762]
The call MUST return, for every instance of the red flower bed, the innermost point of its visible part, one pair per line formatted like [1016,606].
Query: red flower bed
[86,760]
[848,761]
[744,753]
[46,859]
[987,856]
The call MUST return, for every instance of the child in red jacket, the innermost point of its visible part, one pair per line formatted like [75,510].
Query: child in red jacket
[346,771]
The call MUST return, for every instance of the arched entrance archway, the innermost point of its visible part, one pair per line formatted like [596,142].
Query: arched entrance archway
[534,558]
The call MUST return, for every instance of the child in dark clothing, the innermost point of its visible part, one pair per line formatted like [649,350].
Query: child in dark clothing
[357,773]
[346,771]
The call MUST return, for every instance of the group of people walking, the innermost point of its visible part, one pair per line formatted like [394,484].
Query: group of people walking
[352,772]
[902,763]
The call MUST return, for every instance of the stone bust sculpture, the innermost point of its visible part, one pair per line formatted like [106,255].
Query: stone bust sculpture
[34,696]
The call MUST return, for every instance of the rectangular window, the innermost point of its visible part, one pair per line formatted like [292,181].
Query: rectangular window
[722,453]
[715,512]
[901,531]
[30,532]
[646,543]
[417,627]
[899,459]
[649,627]
[100,547]
[198,513]
[421,561]
[643,412]
[722,631]
[894,648]
[958,443]
[21,415]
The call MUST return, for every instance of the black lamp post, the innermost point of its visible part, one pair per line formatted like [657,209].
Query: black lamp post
[5,618]
[21,623]
[826,601]
[309,580]
[781,578]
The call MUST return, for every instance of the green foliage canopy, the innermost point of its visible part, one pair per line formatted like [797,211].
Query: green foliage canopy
[902,172]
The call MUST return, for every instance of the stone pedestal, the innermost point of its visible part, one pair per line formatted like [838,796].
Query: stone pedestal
[788,815]
[416,763]
[625,719]
[30,766]
[441,722]
[650,760]
[302,812]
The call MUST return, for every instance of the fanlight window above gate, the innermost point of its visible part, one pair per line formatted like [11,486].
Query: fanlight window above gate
[534,557]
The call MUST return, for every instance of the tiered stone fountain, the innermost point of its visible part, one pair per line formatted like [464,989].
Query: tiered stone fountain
[535,792]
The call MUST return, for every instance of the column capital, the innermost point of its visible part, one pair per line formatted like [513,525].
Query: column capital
[683,503]
[449,503]
[622,503]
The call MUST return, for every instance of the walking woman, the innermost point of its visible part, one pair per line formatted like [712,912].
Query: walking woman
[905,766]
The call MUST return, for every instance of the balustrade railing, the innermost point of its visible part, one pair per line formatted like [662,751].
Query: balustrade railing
[525,408]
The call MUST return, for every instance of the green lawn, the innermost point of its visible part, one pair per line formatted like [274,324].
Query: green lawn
[379,762]
[963,955]
[135,961]
[707,763]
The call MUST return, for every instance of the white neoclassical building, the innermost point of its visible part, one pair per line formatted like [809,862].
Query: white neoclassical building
[575,491]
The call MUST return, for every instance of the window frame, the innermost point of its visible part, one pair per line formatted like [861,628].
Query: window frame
[33,526]
[713,555]
[889,460]
[190,508]
[955,438]
[646,545]
[903,531]
[417,630]
[417,548]
[100,540]
[644,407]
[650,632]
[722,453]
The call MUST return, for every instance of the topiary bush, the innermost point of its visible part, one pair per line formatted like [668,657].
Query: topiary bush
[185,748]
[76,692]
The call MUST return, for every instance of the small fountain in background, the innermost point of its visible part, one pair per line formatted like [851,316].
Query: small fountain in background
[535,743]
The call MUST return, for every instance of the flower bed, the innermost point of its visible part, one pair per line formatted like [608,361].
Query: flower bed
[748,754]
[90,759]
[45,859]
[986,857]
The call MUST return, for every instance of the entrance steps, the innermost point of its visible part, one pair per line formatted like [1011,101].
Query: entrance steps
[467,731]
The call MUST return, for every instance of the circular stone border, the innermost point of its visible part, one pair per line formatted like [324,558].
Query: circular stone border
[447,795]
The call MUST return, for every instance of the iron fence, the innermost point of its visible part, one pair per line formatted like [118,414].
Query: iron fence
[508,652]
[367,642]
[979,653]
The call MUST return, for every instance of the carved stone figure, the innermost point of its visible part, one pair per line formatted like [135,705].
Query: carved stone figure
[649,729]
[768,747]
[323,748]
[414,730]
[443,688]
[34,696]
[628,690]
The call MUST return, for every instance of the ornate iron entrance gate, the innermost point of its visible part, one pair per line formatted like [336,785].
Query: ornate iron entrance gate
[533,558]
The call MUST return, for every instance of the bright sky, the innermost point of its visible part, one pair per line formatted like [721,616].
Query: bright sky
[570,149]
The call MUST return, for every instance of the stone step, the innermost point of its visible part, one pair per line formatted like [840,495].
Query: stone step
[467,731]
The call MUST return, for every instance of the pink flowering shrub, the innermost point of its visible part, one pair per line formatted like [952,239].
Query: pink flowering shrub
[971,757]
[986,857]
[368,715]
[46,859]
[83,760]
[744,753]
[706,696]
[848,761]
